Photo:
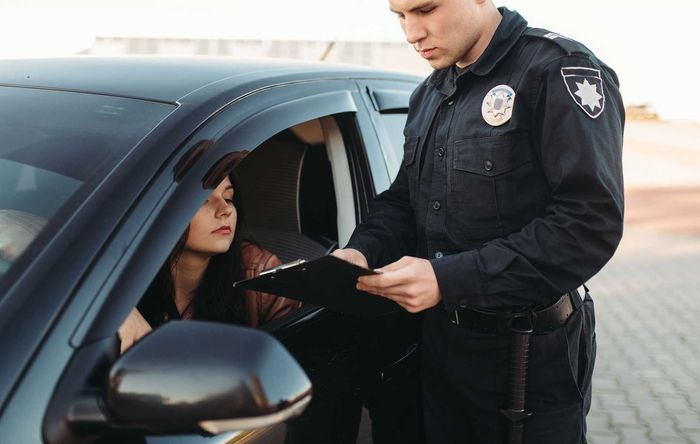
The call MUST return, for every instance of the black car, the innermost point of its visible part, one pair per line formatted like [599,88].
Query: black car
[103,163]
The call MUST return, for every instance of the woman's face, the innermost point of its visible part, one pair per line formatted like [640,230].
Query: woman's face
[212,228]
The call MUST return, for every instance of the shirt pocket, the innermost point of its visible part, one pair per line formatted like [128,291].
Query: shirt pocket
[487,179]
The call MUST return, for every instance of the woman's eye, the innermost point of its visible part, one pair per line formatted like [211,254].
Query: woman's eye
[229,201]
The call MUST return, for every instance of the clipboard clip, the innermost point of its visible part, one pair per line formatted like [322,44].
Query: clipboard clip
[282,267]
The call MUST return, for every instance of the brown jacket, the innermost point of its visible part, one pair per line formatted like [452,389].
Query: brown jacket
[262,307]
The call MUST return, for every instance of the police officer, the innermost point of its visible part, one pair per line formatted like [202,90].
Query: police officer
[509,197]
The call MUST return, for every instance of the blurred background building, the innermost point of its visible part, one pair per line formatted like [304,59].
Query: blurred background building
[378,54]
[650,45]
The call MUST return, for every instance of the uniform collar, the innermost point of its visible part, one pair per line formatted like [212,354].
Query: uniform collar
[507,34]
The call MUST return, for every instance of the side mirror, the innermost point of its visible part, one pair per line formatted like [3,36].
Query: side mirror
[190,376]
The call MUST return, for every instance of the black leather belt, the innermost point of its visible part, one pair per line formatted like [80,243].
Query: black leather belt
[538,321]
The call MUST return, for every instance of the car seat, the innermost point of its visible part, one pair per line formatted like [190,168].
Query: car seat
[288,199]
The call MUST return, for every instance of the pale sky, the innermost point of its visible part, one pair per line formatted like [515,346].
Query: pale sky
[653,46]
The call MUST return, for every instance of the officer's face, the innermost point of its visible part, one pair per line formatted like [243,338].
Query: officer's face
[444,32]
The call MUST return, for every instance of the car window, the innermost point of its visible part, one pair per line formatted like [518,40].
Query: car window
[55,147]
[393,124]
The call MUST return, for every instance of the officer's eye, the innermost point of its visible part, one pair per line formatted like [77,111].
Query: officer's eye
[427,10]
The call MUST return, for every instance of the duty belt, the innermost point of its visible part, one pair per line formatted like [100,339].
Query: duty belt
[549,318]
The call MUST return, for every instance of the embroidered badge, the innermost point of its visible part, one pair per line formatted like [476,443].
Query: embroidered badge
[585,86]
[497,107]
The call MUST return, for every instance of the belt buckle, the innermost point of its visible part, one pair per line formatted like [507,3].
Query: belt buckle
[454,317]
[523,323]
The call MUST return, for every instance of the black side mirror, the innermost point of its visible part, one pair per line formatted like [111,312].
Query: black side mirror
[190,376]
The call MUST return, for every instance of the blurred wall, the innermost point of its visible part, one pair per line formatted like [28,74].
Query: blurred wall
[384,55]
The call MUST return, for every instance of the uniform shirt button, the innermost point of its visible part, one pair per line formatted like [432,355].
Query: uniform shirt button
[436,205]
[463,303]
[438,255]
[488,165]
[451,102]
[441,152]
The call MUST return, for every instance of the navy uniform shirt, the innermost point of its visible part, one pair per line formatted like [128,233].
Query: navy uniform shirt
[511,182]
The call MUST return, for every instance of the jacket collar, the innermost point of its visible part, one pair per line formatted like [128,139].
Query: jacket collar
[512,26]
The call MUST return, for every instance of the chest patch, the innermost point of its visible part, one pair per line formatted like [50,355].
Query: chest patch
[497,107]
[585,86]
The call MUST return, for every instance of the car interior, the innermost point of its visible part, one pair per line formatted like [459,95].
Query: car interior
[292,186]
[288,198]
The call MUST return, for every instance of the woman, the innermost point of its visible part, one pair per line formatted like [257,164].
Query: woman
[196,282]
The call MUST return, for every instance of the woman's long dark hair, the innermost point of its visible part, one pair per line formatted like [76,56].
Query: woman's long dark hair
[215,299]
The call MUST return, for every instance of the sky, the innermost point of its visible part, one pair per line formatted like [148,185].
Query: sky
[653,46]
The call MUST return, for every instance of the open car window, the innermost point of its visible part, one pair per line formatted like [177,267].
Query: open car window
[55,147]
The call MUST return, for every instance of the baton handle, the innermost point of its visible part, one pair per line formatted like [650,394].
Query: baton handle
[517,379]
[520,347]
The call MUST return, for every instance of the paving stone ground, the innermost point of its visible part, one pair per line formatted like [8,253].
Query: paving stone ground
[646,384]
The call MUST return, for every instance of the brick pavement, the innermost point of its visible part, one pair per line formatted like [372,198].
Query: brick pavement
[646,384]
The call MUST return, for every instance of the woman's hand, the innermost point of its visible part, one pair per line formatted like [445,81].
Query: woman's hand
[134,328]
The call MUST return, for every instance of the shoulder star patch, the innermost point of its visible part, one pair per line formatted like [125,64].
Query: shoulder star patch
[585,86]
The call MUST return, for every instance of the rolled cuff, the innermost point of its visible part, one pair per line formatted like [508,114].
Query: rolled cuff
[459,280]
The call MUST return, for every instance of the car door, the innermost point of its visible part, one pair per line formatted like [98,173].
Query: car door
[325,343]
[128,263]
[72,360]
[387,106]
[352,362]
[338,352]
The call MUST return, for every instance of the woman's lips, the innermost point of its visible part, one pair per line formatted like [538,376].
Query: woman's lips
[225,229]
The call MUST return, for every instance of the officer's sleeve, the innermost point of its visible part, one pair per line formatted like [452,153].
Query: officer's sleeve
[389,231]
[581,157]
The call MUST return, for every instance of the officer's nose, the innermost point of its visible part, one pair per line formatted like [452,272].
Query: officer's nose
[414,30]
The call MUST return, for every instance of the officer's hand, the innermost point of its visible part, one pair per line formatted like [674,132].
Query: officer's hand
[410,282]
[351,255]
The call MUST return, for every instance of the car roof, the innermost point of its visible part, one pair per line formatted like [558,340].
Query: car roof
[168,79]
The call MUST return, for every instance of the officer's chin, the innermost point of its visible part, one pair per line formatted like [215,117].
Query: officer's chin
[439,63]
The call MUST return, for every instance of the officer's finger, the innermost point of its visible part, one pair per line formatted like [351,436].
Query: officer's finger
[394,266]
[396,297]
[376,280]
[410,304]
[351,255]
[382,282]
[372,280]
[403,293]
[372,289]
[399,288]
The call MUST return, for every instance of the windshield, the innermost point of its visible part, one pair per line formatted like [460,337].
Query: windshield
[55,146]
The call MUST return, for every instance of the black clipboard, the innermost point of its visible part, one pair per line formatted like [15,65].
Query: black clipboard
[327,281]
